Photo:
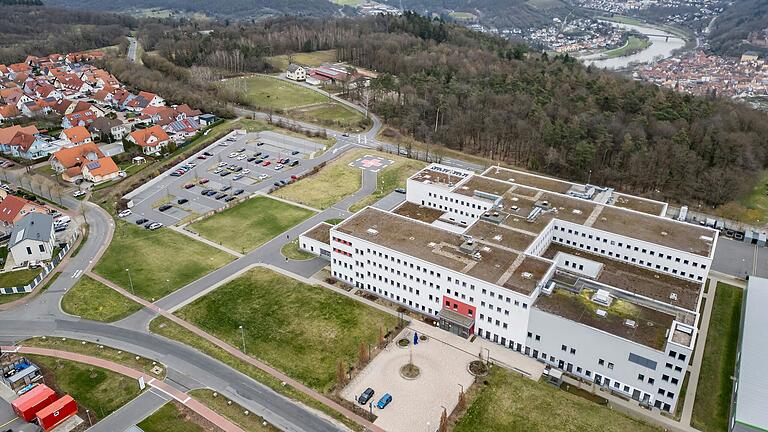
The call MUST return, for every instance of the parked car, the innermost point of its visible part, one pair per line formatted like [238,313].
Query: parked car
[259,144]
[148,224]
[182,201]
[124,213]
[246,171]
[225,173]
[237,177]
[218,170]
[226,188]
[267,163]
[294,178]
[242,149]
[294,153]
[278,167]
[251,159]
[233,154]
[222,164]
[241,157]
[203,181]
[155,226]
[257,154]
[165,207]
[220,196]
[238,192]
[384,401]
[207,153]
[78,193]
[263,176]
[141,221]
[400,190]
[189,186]
[294,163]
[345,134]
[201,157]
[229,198]
[365,396]
[277,183]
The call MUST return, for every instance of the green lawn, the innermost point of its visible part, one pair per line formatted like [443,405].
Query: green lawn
[99,390]
[271,93]
[175,418]
[165,327]
[252,125]
[251,223]
[332,115]
[18,277]
[634,44]
[513,403]
[292,251]
[391,178]
[160,262]
[233,412]
[91,299]
[314,58]
[751,208]
[302,330]
[328,186]
[713,393]
[462,15]
[7,298]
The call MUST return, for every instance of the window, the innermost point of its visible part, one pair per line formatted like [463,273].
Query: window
[538,338]
[651,380]
[42,248]
[601,362]
[563,347]
[642,361]
[680,357]
[641,377]
[610,365]
[573,350]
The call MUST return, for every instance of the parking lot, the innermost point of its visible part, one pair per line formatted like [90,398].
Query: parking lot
[231,168]
[415,403]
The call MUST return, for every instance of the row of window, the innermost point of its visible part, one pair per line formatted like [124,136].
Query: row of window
[345,253]
[458,201]
[342,241]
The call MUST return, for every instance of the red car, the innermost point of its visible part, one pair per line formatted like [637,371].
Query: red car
[201,157]
[267,163]
[203,181]
[294,178]
[189,186]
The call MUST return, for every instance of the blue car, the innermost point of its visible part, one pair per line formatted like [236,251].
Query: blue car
[384,401]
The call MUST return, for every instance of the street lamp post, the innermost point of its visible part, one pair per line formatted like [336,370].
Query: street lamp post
[488,356]
[88,413]
[242,334]
[462,388]
[130,280]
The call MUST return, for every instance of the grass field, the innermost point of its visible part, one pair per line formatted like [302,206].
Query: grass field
[233,412]
[7,298]
[18,277]
[462,15]
[271,93]
[99,351]
[160,262]
[99,390]
[330,185]
[634,44]
[751,208]
[513,403]
[291,250]
[332,115]
[391,178]
[713,393]
[251,223]
[314,58]
[300,329]
[165,327]
[174,417]
[91,299]
[252,125]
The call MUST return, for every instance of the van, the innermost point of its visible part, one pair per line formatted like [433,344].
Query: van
[62,220]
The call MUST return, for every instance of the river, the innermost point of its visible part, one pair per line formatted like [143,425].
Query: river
[660,48]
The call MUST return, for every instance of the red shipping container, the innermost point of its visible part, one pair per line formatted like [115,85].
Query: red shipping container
[28,404]
[55,413]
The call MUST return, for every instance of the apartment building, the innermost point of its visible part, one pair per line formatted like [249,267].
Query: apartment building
[593,282]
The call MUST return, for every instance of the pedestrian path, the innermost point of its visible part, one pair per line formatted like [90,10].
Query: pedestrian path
[162,387]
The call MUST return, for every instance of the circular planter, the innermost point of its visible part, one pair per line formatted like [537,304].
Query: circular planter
[477,368]
[410,371]
[403,342]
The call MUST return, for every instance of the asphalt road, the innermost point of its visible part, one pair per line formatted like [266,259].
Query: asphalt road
[132,48]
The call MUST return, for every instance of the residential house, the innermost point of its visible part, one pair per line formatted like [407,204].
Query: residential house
[152,99]
[8,112]
[13,208]
[76,135]
[151,140]
[27,146]
[206,119]
[80,118]
[7,135]
[69,161]
[296,72]
[101,170]
[107,129]
[32,238]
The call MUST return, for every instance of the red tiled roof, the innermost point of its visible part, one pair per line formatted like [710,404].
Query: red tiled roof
[10,208]
[77,134]
[141,136]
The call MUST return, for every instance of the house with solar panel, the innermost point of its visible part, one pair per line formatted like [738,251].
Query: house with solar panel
[100,170]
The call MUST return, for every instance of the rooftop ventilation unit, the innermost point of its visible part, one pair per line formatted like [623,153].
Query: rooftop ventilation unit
[576,211]
[372,231]
[527,275]
[514,208]
[664,233]
[673,296]
[602,297]
[630,323]
[548,288]
[534,214]
[601,313]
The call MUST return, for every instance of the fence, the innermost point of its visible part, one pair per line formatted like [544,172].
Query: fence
[47,269]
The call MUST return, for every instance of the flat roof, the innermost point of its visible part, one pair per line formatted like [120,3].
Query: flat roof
[638,280]
[440,176]
[440,247]
[500,235]
[638,204]
[752,391]
[418,212]
[482,184]
[321,232]
[528,179]
[666,232]
[649,325]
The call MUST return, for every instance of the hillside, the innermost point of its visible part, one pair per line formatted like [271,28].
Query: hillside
[219,8]
[500,13]
[734,26]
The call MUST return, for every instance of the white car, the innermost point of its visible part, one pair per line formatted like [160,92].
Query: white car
[78,193]
[191,164]
[217,170]
[241,157]
[155,226]
[278,167]
[246,171]
[223,164]
[223,143]
[237,177]
[263,176]
[124,213]
[233,154]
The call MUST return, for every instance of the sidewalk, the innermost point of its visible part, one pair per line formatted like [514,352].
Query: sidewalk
[319,397]
[200,238]
[180,396]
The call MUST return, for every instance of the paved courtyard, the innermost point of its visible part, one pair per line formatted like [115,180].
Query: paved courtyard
[414,402]
[371,163]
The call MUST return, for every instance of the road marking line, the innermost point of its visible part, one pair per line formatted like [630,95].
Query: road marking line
[77,274]
[169,394]
[6,424]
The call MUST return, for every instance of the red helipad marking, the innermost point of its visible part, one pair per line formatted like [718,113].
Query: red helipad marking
[369,163]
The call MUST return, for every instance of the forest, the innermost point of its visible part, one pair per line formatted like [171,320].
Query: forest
[448,86]
[29,29]
[733,26]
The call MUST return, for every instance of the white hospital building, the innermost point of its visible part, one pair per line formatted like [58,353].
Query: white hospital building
[590,281]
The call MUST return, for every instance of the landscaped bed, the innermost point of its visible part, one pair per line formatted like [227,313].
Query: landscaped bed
[301,329]
[232,411]
[175,417]
[93,300]
[18,277]
[510,402]
[158,262]
[251,223]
